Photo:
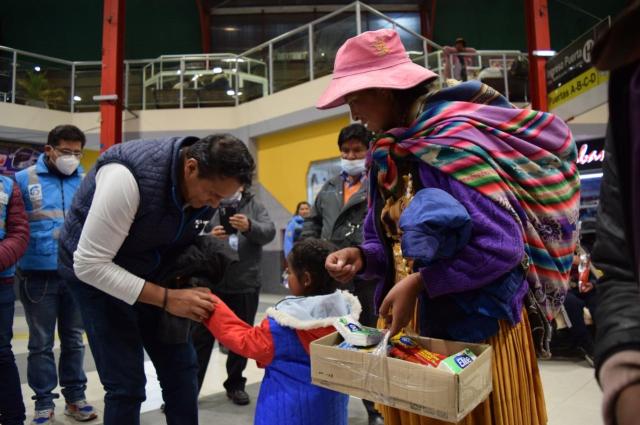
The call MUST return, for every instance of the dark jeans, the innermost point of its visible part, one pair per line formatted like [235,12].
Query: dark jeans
[47,300]
[118,335]
[245,306]
[11,404]
[364,291]
[574,304]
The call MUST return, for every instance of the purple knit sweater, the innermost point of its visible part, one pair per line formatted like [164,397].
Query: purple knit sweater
[495,248]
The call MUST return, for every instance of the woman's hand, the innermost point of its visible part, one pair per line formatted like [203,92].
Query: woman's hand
[343,265]
[398,306]
[219,233]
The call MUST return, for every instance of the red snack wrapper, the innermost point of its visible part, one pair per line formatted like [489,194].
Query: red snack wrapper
[406,348]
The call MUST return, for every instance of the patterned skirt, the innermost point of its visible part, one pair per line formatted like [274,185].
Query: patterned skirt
[517,397]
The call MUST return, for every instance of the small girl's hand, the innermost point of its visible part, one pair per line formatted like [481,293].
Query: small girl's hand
[398,306]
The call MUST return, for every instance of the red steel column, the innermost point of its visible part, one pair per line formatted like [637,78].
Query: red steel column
[204,15]
[427,18]
[112,70]
[537,19]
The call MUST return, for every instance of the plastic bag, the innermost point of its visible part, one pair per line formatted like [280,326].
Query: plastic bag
[376,380]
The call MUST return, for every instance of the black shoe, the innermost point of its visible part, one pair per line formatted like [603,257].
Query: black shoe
[376,419]
[239,397]
[224,350]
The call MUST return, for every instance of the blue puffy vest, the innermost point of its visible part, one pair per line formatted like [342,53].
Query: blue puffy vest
[47,197]
[287,395]
[162,225]
[6,190]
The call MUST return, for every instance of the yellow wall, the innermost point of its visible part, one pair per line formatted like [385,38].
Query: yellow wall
[284,158]
[88,159]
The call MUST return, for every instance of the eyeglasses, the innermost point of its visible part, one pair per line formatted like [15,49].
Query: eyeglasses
[68,152]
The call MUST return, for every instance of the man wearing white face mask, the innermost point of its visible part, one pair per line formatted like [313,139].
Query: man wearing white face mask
[47,189]
[338,215]
[341,205]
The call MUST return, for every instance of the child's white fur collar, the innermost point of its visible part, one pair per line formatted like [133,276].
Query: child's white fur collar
[320,311]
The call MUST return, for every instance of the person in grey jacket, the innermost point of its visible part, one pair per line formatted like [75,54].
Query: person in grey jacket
[244,222]
[340,207]
[338,215]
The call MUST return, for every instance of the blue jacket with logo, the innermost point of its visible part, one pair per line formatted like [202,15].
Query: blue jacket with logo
[163,225]
[47,197]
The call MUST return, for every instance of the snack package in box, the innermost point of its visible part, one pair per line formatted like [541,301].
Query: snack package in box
[406,348]
[356,334]
[458,362]
[344,345]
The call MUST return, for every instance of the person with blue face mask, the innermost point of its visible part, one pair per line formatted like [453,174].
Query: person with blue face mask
[338,215]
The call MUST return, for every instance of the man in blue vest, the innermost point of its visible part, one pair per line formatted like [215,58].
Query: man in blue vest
[14,236]
[47,189]
[142,204]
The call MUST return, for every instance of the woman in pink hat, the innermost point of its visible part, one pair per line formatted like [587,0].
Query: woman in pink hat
[473,217]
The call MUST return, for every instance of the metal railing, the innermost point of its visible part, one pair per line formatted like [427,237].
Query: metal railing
[504,70]
[204,80]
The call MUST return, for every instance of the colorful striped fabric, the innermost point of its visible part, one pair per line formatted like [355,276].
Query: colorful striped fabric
[523,160]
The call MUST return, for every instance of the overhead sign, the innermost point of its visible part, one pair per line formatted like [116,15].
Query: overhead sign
[574,86]
[574,59]
[579,95]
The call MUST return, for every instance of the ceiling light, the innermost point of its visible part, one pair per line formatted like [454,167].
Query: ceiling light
[178,72]
[231,29]
[544,53]
[77,98]
[231,92]
[217,70]
[37,68]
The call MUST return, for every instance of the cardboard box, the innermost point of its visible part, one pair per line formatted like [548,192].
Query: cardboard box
[407,386]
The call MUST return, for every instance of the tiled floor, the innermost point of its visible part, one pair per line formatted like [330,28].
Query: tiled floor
[571,391]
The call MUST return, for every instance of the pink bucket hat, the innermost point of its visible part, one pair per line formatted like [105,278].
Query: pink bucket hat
[373,59]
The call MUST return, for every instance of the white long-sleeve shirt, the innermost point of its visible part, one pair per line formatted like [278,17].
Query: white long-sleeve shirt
[112,212]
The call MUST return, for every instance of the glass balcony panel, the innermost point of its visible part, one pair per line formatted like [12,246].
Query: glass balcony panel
[291,61]
[42,83]
[328,36]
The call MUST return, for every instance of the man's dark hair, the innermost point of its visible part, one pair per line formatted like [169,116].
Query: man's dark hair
[223,155]
[309,255]
[357,132]
[66,132]
[461,40]
[301,204]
